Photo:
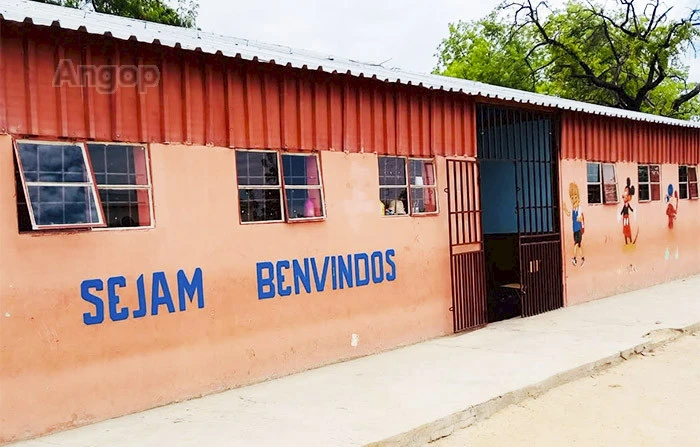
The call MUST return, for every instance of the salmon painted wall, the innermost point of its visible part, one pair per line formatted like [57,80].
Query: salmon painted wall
[612,266]
[57,372]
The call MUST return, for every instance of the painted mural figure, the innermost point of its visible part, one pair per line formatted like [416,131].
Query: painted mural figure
[577,222]
[671,211]
[627,195]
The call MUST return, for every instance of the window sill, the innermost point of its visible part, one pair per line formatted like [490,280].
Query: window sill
[305,220]
[431,214]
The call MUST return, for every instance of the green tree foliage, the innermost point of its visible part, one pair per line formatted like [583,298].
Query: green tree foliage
[627,54]
[184,14]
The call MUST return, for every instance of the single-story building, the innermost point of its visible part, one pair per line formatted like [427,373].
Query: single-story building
[183,213]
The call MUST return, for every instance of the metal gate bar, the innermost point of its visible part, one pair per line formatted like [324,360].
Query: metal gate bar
[530,140]
[466,248]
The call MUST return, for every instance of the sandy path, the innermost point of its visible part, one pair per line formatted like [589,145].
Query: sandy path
[651,400]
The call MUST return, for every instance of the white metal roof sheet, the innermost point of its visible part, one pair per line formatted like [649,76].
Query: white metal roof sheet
[191,39]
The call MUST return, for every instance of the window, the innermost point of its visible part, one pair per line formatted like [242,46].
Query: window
[602,183]
[687,182]
[259,186]
[423,190]
[68,189]
[121,173]
[58,186]
[262,193]
[302,186]
[396,193]
[649,179]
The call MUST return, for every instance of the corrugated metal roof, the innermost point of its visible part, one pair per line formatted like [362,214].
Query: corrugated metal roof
[190,39]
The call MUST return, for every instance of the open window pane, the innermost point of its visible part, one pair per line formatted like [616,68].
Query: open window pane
[395,200]
[63,205]
[260,205]
[257,168]
[693,190]
[59,185]
[655,191]
[53,163]
[392,171]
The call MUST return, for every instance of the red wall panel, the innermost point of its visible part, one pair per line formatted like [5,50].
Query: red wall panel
[209,99]
[598,138]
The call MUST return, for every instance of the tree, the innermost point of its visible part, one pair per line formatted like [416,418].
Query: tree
[625,56]
[184,14]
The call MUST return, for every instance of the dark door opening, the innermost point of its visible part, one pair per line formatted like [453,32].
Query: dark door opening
[518,167]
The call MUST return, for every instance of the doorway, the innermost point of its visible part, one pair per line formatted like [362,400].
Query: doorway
[518,166]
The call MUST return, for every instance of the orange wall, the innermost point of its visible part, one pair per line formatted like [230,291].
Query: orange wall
[58,372]
[660,254]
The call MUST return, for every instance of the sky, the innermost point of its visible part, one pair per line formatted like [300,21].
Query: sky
[400,33]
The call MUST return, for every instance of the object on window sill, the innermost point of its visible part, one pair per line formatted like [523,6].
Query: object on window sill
[396,207]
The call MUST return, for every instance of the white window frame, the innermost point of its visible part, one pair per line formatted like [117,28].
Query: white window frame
[602,183]
[279,187]
[688,182]
[649,183]
[91,183]
[149,187]
[423,187]
[407,186]
[319,187]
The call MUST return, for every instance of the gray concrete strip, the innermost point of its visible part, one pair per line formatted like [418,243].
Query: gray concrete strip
[415,394]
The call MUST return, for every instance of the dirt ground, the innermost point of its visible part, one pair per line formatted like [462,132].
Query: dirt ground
[651,400]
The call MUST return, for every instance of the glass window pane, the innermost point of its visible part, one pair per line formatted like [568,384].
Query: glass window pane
[300,170]
[655,191]
[594,195]
[53,163]
[593,172]
[643,174]
[683,190]
[421,172]
[117,164]
[692,174]
[126,208]
[655,173]
[693,190]
[423,200]
[63,205]
[392,171]
[610,193]
[304,203]
[259,205]
[644,192]
[395,200]
[609,174]
[682,174]
[257,168]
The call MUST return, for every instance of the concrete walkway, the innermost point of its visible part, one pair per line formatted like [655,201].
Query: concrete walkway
[414,394]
